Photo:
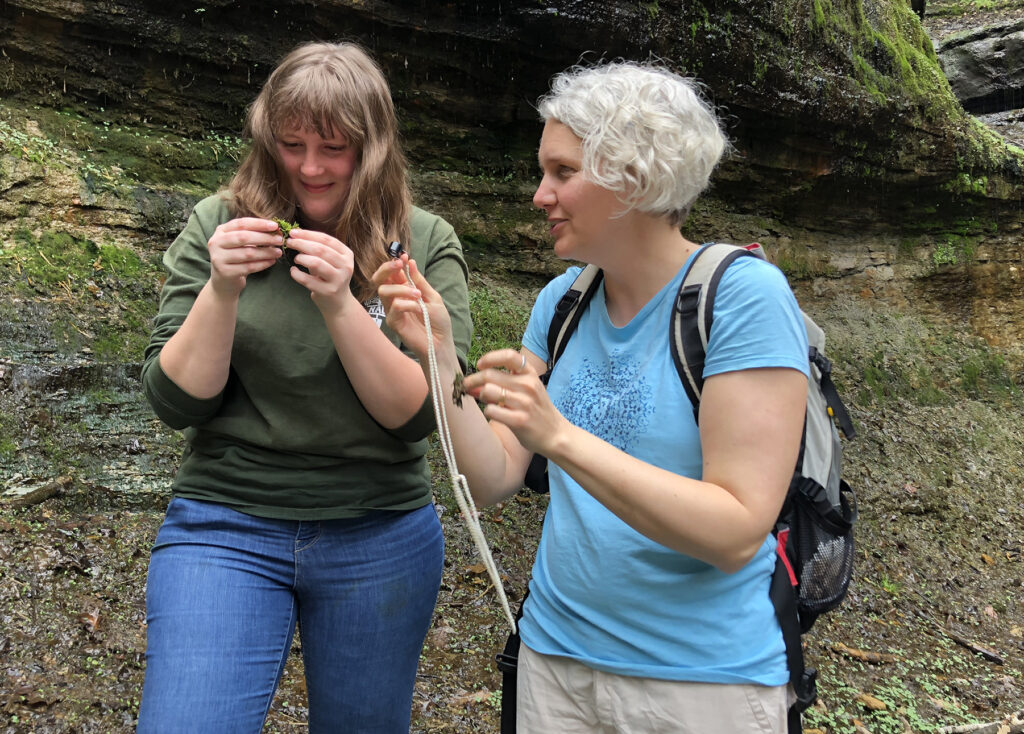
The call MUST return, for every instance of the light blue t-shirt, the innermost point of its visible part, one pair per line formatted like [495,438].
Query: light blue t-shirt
[601,592]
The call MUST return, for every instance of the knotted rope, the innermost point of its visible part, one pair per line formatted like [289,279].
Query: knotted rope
[460,486]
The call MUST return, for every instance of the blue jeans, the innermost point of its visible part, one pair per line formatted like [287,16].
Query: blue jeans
[225,590]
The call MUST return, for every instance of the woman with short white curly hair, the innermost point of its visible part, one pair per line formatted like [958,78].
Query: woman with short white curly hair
[649,608]
[647,134]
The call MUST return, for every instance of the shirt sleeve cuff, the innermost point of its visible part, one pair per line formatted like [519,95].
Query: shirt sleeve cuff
[419,426]
[174,406]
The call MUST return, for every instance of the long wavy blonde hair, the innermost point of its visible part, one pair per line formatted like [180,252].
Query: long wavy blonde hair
[331,88]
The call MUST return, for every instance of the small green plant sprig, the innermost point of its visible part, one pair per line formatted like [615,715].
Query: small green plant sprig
[288,253]
[286,228]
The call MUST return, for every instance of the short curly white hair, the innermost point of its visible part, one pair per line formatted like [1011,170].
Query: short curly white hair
[648,134]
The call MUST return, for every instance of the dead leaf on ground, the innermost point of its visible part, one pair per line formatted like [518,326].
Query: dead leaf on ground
[27,695]
[870,702]
[464,698]
[438,636]
[90,620]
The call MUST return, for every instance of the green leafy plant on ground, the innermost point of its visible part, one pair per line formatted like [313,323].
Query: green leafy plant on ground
[499,317]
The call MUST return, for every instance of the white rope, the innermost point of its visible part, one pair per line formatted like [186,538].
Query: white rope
[459,485]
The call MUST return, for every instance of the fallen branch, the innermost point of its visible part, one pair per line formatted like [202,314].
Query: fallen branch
[1013,724]
[960,640]
[973,647]
[17,497]
[482,593]
[863,655]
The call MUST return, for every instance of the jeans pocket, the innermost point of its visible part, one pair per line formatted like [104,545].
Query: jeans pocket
[173,523]
[196,521]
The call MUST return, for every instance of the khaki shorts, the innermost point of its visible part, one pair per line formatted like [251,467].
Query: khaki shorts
[562,696]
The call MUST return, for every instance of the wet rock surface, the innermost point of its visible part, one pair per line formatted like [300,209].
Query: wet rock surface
[947,18]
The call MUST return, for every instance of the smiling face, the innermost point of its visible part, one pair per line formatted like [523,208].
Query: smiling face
[319,172]
[582,215]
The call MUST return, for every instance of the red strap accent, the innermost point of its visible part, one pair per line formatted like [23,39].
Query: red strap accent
[780,549]
[756,249]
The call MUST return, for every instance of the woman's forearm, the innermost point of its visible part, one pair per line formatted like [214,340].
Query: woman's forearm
[488,453]
[389,384]
[695,517]
[750,428]
[198,357]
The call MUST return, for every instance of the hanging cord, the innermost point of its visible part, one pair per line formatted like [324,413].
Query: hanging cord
[459,485]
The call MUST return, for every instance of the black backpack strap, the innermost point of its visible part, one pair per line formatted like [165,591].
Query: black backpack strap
[568,312]
[693,313]
[537,474]
[836,408]
[783,596]
[508,664]
[692,318]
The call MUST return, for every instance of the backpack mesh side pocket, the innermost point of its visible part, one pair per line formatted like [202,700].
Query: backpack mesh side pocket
[821,548]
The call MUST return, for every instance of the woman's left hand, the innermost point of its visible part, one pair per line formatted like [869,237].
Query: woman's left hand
[330,264]
[510,387]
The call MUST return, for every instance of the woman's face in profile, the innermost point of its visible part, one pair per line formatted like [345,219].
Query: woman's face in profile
[580,213]
[319,172]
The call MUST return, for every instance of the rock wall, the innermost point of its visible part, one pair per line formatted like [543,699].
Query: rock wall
[985,67]
[842,120]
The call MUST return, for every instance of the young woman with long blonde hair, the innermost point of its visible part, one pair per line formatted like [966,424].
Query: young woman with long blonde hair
[303,497]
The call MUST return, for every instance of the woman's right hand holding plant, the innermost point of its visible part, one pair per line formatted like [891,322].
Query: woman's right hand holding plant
[197,358]
[239,248]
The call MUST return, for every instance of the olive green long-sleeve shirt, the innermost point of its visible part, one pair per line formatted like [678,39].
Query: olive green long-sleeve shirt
[288,437]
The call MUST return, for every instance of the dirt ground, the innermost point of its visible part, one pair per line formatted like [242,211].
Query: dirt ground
[931,635]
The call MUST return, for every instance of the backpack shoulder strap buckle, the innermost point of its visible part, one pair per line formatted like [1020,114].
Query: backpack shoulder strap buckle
[820,361]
